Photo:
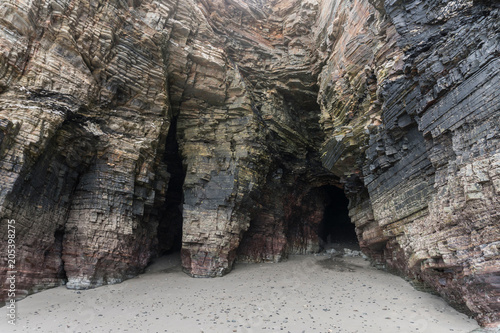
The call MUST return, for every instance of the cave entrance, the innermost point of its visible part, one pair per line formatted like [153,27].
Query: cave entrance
[169,231]
[336,228]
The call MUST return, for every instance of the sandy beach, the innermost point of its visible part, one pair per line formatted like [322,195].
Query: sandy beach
[304,294]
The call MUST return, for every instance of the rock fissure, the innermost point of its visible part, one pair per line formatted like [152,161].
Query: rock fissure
[169,232]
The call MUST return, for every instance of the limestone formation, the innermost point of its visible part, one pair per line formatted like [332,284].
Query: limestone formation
[131,128]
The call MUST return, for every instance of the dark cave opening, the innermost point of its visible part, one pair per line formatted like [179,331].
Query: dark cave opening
[336,226]
[53,256]
[169,231]
[58,244]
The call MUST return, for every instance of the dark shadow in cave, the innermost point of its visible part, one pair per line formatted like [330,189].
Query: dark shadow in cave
[336,226]
[170,223]
[58,248]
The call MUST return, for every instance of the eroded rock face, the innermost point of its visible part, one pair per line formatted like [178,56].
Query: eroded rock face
[84,110]
[425,122]
[120,121]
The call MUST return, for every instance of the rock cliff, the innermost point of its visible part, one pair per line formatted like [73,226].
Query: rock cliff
[131,128]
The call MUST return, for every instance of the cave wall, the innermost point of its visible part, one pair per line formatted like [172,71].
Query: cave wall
[411,107]
[89,90]
[395,102]
[84,109]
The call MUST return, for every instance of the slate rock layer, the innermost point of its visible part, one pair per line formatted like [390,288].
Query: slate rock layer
[123,122]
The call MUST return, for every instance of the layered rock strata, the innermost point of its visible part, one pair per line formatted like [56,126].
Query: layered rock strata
[124,122]
[411,102]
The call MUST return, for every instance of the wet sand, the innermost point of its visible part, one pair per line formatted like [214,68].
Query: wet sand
[304,294]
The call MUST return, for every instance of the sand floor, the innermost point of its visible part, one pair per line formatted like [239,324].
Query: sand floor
[304,294]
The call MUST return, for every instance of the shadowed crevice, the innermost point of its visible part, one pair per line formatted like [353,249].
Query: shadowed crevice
[170,223]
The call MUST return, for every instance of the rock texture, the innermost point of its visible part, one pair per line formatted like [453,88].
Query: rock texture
[412,102]
[127,127]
